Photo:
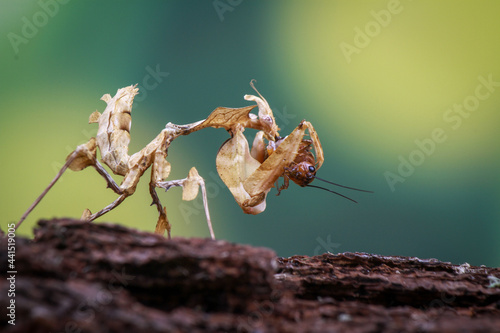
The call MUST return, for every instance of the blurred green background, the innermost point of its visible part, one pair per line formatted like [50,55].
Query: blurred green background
[374,77]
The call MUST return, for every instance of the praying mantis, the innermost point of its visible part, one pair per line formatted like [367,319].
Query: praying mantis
[249,174]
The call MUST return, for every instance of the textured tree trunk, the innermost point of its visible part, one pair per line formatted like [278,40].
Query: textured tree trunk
[86,277]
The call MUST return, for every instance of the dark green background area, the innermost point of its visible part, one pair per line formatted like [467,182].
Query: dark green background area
[375,78]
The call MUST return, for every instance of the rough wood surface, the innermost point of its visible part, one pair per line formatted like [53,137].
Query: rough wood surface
[85,277]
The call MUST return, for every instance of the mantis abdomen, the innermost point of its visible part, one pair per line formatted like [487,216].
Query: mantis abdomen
[113,135]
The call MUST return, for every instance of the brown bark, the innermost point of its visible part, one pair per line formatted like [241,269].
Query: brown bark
[85,277]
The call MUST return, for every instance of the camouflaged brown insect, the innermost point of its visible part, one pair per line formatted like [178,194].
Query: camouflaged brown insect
[249,174]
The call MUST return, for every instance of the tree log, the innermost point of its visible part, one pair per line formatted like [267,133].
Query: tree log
[85,277]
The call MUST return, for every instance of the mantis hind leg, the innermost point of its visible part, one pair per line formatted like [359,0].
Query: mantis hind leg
[82,157]
[163,223]
[160,171]
[190,186]
[70,160]
[88,216]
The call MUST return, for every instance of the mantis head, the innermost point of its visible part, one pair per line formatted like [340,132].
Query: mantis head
[266,118]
